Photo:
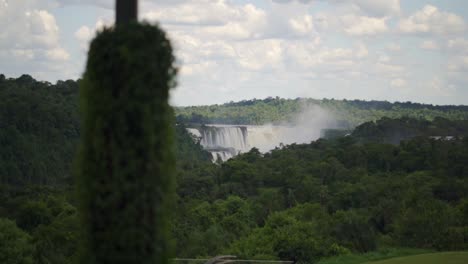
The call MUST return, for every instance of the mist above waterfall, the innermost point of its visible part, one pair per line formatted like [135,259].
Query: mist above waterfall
[226,141]
[304,127]
[308,124]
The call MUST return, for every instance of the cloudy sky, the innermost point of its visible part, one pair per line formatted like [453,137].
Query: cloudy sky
[396,50]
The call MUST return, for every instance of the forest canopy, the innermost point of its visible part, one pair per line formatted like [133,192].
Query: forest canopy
[400,181]
[280,110]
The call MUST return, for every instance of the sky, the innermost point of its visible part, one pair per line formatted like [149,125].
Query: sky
[231,50]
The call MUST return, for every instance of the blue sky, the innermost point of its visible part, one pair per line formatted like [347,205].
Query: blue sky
[229,50]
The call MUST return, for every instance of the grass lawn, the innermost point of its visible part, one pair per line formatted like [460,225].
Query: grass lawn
[433,258]
[386,253]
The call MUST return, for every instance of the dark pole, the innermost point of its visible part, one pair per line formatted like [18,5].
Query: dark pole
[126,11]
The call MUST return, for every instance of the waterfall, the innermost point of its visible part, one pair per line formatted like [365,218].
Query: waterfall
[222,137]
[227,141]
[223,142]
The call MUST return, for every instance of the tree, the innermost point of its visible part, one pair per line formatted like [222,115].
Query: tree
[15,244]
[352,229]
[425,224]
[32,214]
[126,161]
[57,243]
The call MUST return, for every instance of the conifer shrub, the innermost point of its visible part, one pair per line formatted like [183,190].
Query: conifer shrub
[126,161]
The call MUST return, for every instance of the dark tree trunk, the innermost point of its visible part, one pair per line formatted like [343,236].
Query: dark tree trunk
[126,11]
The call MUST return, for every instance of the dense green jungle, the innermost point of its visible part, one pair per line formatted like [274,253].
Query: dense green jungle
[277,110]
[397,185]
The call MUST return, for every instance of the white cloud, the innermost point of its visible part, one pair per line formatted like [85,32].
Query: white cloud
[379,7]
[395,47]
[386,69]
[258,55]
[302,25]
[107,4]
[431,20]
[26,54]
[362,25]
[458,45]
[230,50]
[84,33]
[110,4]
[57,54]
[251,46]
[372,7]
[238,37]
[398,83]
[438,86]
[229,31]
[324,62]
[458,64]
[204,12]
[384,58]
[310,58]
[198,68]
[429,45]
[30,39]
[214,19]
[362,51]
[28,29]
[350,23]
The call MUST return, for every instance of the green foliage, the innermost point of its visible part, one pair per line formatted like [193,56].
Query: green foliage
[49,218]
[15,244]
[426,224]
[342,195]
[244,112]
[349,113]
[126,158]
[194,167]
[58,242]
[286,237]
[32,214]
[303,202]
[204,228]
[39,130]
[189,153]
[395,130]
[353,230]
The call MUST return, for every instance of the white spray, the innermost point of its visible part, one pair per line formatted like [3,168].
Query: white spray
[226,141]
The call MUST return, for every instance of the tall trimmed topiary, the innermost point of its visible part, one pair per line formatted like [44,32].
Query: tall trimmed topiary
[126,160]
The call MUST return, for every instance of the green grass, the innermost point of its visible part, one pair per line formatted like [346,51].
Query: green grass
[387,253]
[433,258]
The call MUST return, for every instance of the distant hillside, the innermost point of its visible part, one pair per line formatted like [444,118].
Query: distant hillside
[349,112]
[394,131]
